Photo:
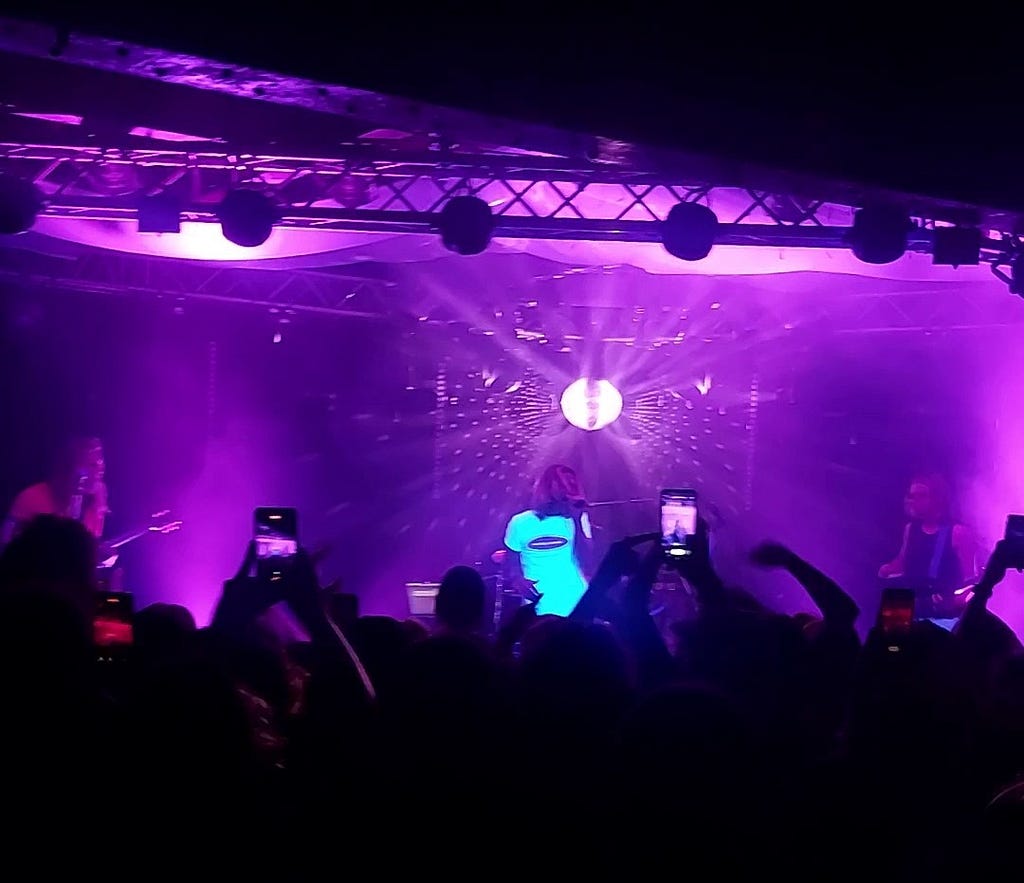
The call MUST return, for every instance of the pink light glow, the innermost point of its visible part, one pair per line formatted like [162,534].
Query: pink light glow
[200,241]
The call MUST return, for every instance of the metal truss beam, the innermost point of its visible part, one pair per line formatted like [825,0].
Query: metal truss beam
[347,295]
[448,128]
[375,190]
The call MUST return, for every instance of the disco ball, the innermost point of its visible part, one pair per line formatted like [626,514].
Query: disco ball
[591,404]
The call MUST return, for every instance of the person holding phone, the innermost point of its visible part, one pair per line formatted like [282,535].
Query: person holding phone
[544,542]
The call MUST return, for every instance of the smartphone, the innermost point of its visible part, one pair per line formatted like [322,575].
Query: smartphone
[112,621]
[896,612]
[276,536]
[275,532]
[678,521]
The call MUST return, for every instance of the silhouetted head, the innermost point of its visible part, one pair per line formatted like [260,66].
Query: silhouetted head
[56,555]
[461,599]
[558,492]
[45,646]
[575,676]
[163,631]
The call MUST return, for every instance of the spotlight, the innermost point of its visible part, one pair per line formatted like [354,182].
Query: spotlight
[465,224]
[689,231]
[953,246]
[591,404]
[20,202]
[879,234]
[247,217]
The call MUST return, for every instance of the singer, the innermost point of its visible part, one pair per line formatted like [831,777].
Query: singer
[543,540]
[75,489]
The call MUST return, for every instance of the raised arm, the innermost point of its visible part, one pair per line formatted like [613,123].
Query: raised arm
[837,608]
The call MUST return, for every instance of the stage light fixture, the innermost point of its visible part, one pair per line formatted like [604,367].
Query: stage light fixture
[465,224]
[879,234]
[160,213]
[247,217]
[956,246]
[20,203]
[689,231]
[591,404]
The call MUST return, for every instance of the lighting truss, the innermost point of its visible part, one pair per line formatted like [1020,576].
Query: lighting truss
[303,291]
[531,197]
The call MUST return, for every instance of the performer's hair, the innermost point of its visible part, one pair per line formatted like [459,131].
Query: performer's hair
[62,476]
[557,487]
[939,489]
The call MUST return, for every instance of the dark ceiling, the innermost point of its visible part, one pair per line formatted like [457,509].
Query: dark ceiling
[927,104]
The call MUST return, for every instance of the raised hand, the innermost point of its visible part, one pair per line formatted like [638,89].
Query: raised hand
[999,562]
[301,588]
[244,595]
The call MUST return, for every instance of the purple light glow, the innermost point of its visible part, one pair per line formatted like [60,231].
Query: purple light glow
[847,409]
[204,241]
[200,241]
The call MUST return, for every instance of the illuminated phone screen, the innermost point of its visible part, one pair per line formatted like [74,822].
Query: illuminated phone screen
[275,533]
[896,612]
[112,623]
[678,521]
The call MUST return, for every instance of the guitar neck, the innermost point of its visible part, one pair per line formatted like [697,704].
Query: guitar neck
[125,539]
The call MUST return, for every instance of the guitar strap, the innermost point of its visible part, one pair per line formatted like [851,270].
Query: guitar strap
[941,537]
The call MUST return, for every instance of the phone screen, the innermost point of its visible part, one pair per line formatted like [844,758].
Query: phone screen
[275,531]
[896,612]
[678,521]
[112,623]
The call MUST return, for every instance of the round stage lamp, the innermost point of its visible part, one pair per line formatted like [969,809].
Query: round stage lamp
[591,404]
[247,217]
[689,231]
[879,234]
[465,224]
[20,202]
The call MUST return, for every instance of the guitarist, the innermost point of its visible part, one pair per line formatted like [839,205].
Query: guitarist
[937,556]
[75,489]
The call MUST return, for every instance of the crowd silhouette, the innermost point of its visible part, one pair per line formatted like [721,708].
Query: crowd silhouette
[751,742]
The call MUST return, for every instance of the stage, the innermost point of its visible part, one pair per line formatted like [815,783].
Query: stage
[404,397]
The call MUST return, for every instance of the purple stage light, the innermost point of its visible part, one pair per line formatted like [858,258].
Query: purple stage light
[591,404]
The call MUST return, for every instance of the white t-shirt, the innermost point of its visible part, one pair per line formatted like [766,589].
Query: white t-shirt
[546,551]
